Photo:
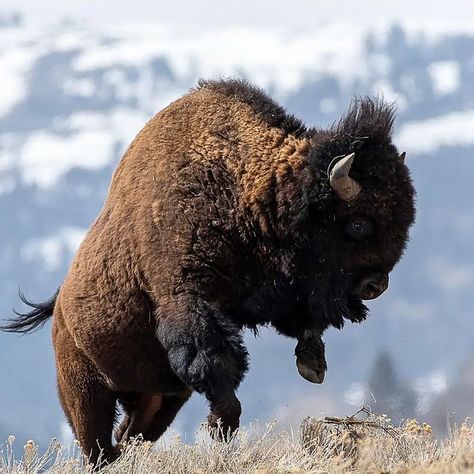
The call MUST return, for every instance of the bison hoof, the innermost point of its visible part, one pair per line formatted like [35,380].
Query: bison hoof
[310,356]
[313,371]
[224,419]
[222,429]
[121,429]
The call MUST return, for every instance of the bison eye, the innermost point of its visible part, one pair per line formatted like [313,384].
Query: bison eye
[359,228]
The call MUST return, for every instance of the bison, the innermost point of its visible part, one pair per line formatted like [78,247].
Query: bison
[225,213]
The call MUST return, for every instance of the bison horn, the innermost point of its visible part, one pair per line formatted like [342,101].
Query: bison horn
[339,179]
[403,156]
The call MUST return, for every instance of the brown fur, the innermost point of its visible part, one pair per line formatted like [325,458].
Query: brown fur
[219,217]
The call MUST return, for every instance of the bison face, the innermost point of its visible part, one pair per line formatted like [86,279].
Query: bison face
[360,233]
[371,284]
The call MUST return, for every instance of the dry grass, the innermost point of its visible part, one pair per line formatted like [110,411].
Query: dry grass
[363,443]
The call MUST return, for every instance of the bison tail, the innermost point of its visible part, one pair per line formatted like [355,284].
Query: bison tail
[28,322]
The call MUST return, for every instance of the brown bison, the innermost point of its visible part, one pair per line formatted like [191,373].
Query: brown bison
[225,213]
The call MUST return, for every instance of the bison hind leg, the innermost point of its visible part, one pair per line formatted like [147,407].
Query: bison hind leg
[150,415]
[88,403]
[129,402]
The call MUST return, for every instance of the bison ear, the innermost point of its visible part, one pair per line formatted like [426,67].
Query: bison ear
[403,157]
[338,171]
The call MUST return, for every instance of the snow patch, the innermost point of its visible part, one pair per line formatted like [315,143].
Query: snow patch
[427,136]
[123,124]
[15,65]
[380,64]
[445,76]
[54,249]
[86,140]
[266,56]
[384,88]
[81,87]
[46,156]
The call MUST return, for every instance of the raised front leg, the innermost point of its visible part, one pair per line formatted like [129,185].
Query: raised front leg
[310,356]
[206,351]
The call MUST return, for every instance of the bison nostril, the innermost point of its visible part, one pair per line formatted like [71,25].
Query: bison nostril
[372,286]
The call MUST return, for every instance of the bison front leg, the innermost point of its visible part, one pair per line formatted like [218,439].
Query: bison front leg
[310,356]
[206,351]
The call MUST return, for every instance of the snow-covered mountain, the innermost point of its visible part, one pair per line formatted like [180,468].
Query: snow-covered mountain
[71,99]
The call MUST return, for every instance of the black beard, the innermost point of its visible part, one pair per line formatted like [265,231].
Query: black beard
[332,303]
[294,307]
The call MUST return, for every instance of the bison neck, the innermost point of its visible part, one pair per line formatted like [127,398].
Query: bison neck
[278,303]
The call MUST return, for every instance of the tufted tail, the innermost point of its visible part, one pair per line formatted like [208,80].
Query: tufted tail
[28,322]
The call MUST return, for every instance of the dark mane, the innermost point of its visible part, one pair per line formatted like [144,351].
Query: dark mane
[259,101]
[368,119]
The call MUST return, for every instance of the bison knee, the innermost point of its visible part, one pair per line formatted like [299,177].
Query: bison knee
[207,370]
[207,353]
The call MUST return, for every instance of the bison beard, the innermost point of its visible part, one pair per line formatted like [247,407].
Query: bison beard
[225,213]
[335,302]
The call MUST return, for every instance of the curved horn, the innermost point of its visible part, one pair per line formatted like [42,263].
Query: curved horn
[403,157]
[346,187]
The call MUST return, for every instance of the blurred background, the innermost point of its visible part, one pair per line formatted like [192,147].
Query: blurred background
[78,80]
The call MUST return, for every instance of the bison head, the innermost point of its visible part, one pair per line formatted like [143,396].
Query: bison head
[358,227]
[359,208]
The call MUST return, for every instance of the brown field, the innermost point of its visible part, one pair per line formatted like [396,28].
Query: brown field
[364,443]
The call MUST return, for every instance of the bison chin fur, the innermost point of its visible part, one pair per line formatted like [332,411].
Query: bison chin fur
[335,304]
